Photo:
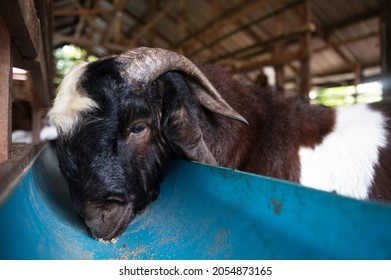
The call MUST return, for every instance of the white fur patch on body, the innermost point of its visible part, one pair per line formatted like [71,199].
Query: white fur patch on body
[69,102]
[345,161]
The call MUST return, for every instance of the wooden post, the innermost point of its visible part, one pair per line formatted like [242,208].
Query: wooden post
[5,92]
[357,79]
[305,67]
[36,123]
[386,49]
[36,112]
[278,66]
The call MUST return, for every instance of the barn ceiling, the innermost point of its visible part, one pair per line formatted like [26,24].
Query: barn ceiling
[343,37]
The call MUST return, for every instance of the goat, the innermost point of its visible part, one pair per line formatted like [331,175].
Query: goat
[122,118]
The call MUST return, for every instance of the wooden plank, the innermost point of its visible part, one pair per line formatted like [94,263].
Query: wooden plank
[22,22]
[39,74]
[44,9]
[22,156]
[33,50]
[5,92]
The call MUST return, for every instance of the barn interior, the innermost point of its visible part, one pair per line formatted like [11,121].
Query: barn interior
[327,52]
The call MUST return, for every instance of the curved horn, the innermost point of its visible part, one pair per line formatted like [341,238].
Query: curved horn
[147,64]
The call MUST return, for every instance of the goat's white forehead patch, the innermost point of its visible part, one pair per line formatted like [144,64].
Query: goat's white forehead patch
[70,102]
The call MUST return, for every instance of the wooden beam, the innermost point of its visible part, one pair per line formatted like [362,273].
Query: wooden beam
[182,27]
[44,10]
[286,58]
[386,49]
[339,72]
[305,44]
[277,52]
[85,43]
[152,32]
[354,19]
[23,24]
[82,12]
[142,21]
[216,29]
[37,112]
[152,22]
[348,41]
[292,56]
[321,34]
[117,23]
[331,44]
[226,17]
[5,92]
[357,80]
[245,27]
[21,20]
[39,74]
[266,44]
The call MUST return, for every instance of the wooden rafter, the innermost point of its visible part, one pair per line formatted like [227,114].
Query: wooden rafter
[208,42]
[288,57]
[226,17]
[246,26]
[266,44]
[152,22]
[82,12]
[88,44]
[142,21]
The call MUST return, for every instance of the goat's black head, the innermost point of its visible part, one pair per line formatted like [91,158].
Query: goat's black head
[120,119]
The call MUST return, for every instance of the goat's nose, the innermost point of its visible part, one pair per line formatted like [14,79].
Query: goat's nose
[95,222]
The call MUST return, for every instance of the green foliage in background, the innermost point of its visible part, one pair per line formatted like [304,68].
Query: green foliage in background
[67,56]
[347,95]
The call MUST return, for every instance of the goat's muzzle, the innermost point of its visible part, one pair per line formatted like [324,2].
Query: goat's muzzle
[108,222]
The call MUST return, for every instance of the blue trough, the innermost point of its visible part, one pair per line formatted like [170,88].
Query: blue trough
[203,212]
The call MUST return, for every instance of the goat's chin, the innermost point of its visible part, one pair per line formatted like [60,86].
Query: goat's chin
[112,226]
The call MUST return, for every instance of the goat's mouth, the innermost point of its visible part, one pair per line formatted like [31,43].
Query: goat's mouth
[109,224]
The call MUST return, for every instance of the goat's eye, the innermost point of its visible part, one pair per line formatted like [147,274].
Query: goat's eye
[137,128]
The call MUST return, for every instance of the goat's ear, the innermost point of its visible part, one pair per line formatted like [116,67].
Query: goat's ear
[185,136]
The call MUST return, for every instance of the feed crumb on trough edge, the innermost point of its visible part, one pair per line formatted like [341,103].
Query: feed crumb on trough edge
[113,240]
